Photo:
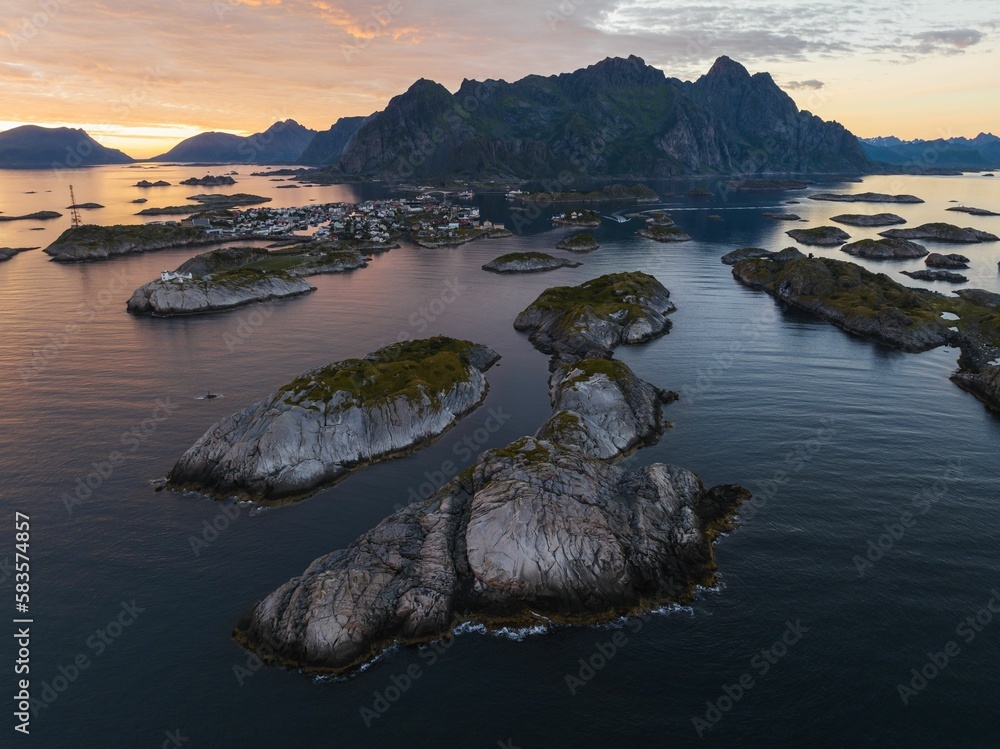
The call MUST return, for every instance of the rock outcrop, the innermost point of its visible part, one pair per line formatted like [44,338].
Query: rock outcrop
[237,276]
[602,409]
[747,253]
[952,262]
[595,317]
[820,236]
[579,243]
[91,242]
[533,533]
[941,232]
[864,197]
[528,262]
[885,249]
[663,234]
[859,301]
[314,430]
[935,275]
[877,219]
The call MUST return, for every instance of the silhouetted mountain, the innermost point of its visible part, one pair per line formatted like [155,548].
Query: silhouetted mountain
[327,146]
[619,118]
[981,152]
[282,143]
[31,147]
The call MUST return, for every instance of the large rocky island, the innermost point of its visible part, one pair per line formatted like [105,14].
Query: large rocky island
[546,530]
[874,306]
[336,419]
[92,242]
[528,262]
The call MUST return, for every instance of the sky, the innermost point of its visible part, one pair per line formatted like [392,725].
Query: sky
[140,75]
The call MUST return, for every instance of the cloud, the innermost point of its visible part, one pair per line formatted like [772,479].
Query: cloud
[812,83]
[958,39]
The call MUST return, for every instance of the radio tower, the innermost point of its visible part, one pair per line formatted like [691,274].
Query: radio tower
[74,213]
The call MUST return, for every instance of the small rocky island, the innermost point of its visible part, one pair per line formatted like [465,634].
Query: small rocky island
[941,232]
[206,202]
[90,242]
[210,181]
[783,216]
[820,236]
[577,218]
[594,318]
[877,219]
[662,233]
[935,275]
[36,216]
[336,419]
[237,276]
[746,253]
[885,249]
[528,262]
[864,197]
[147,183]
[584,242]
[6,253]
[951,262]
[545,530]
[973,211]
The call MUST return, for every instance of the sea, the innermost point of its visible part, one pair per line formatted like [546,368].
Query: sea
[853,607]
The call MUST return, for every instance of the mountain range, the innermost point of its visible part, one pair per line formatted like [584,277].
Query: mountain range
[282,143]
[619,118]
[33,147]
[981,152]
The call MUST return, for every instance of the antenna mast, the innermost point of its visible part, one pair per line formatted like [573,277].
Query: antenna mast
[74,213]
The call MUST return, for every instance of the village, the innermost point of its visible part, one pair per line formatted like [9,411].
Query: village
[428,221]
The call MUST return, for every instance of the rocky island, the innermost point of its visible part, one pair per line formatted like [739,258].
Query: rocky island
[746,253]
[577,218]
[662,233]
[952,261]
[594,318]
[864,197]
[885,249]
[147,183]
[36,216]
[90,242]
[528,262]
[874,306]
[6,253]
[544,530]
[237,276]
[935,275]
[942,232]
[820,236]
[877,219]
[579,243]
[783,216]
[336,419]
[209,180]
[973,211]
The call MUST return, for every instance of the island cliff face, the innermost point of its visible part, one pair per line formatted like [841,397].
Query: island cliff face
[545,530]
[618,118]
[329,421]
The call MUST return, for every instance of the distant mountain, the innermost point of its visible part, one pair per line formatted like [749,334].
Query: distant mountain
[327,146]
[282,143]
[619,118]
[32,147]
[981,152]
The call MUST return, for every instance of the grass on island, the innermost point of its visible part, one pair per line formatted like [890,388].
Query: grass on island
[412,370]
[612,295]
[585,369]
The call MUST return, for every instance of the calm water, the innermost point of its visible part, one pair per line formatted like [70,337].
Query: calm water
[837,437]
